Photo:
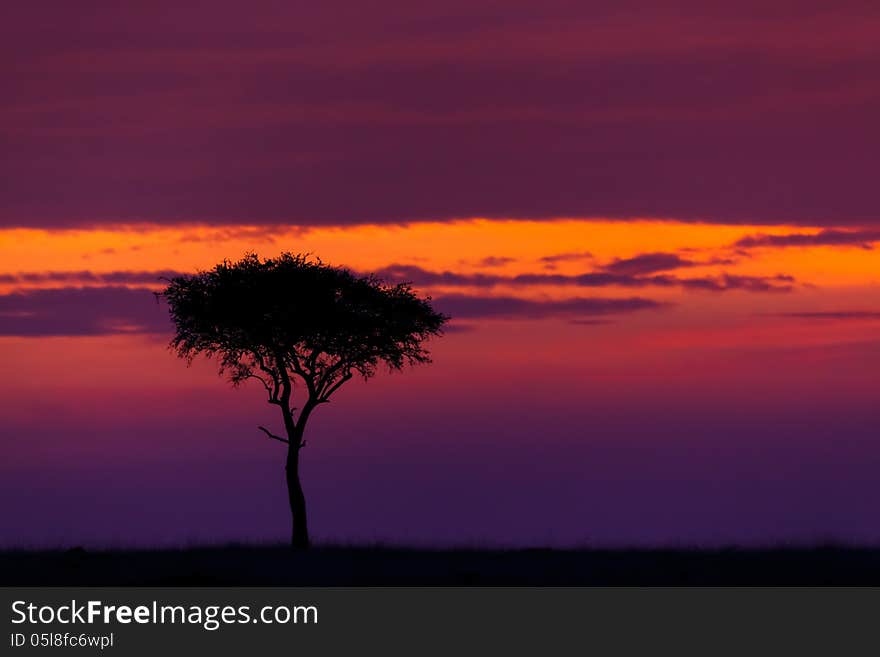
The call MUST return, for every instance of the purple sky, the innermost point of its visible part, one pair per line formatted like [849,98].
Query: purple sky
[643,449]
[342,112]
[680,348]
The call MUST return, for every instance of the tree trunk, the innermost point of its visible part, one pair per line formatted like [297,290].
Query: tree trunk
[299,539]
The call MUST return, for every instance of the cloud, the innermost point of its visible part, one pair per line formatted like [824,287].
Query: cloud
[777,283]
[496,261]
[259,233]
[565,257]
[835,315]
[81,311]
[473,307]
[89,277]
[721,283]
[400,112]
[862,239]
[97,311]
[421,276]
[648,263]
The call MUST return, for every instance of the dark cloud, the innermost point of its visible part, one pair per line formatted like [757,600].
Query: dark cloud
[472,307]
[84,311]
[421,276]
[777,283]
[721,283]
[74,311]
[342,113]
[863,239]
[648,263]
[106,307]
[840,314]
[565,257]
[89,277]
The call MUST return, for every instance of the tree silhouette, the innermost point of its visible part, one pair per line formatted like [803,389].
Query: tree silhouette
[301,328]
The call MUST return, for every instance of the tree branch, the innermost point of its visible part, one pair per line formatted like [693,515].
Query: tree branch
[312,359]
[307,378]
[327,376]
[275,389]
[345,377]
[272,435]
[261,380]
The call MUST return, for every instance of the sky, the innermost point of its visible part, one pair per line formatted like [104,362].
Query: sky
[654,226]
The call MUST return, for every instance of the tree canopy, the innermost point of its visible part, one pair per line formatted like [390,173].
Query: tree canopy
[294,315]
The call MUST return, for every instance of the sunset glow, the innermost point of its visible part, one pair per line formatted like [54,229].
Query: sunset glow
[656,233]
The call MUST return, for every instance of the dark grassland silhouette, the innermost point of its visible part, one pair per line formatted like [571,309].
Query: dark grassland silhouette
[297,325]
[345,565]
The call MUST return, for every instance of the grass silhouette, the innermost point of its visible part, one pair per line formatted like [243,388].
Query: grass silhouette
[238,565]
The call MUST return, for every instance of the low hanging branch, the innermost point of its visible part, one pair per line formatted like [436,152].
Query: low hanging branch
[272,435]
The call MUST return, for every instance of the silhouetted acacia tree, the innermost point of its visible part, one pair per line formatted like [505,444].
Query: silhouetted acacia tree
[302,329]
